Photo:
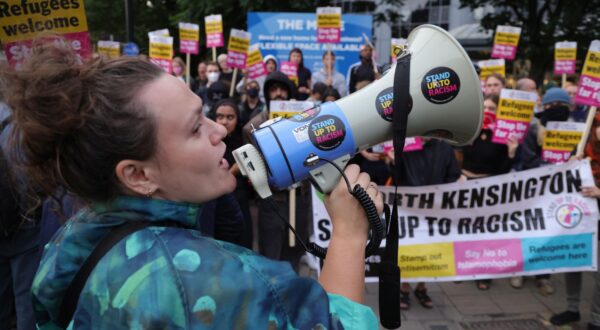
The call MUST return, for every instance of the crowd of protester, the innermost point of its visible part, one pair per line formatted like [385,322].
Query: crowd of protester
[240,217]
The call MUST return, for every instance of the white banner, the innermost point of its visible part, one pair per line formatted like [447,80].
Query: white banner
[523,223]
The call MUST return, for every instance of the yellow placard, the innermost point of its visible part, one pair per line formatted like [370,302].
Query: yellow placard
[239,45]
[191,35]
[565,54]
[592,64]
[561,140]
[161,51]
[426,260]
[489,70]
[329,21]
[254,56]
[396,49]
[506,38]
[517,110]
[282,114]
[214,27]
[23,20]
[109,51]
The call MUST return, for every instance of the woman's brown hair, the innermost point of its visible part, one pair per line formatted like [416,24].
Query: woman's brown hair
[498,77]
[74,122]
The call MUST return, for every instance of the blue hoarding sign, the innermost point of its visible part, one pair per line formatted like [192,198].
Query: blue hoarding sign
[278,33]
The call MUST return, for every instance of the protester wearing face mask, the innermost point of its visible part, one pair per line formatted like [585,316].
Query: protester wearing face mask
[556,106]
[212,76]
[252,105]
[179,68]
[270,62]
[212,73]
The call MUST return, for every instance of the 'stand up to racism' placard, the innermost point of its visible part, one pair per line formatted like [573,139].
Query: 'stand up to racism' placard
[287,109]
[523,223]
[329,24]
[396,48]
[214,31]
[22,21]
[237,48]
[489,67]
[289,69]
[514,114]
[560,139]
[254,63]
[189,36]
[589,82]
[506,41]
[110,49]
[161,51]
[565,57]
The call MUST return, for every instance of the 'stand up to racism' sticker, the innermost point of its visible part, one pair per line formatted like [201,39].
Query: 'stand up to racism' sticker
[385,101]
[326,132]
[440,85]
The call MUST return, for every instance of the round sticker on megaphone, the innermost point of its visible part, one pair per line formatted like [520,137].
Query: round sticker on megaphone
[385,101]
[327,132]
[440,85]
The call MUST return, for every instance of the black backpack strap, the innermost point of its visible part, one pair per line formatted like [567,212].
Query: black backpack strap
[71,296]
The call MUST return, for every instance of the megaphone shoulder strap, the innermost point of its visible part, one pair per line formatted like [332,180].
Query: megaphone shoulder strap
[389,272]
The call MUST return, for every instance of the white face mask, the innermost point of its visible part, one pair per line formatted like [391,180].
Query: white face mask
[177,70]
[212,76]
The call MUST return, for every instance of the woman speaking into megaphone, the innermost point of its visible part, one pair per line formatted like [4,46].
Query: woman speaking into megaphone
[133,142]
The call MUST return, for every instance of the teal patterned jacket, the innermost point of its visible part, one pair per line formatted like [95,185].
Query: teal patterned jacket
[175,278]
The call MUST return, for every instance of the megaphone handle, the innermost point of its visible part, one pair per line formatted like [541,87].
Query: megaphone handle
[378,229]
[326,177]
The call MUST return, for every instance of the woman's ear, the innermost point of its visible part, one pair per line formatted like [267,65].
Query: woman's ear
[134,176]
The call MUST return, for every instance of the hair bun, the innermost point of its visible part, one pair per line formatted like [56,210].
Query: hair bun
[45,94]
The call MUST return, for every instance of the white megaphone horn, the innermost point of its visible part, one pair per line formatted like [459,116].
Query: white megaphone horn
[446,103]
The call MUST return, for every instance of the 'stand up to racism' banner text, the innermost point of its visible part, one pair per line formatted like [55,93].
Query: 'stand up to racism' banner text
[530,222]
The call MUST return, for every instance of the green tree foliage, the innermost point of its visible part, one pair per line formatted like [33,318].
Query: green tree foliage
[543,23]
[107,17]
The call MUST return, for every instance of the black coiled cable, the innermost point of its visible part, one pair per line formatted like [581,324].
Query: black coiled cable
[378,227]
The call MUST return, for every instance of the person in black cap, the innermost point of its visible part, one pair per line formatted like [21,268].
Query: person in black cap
[216,92]
[277,87]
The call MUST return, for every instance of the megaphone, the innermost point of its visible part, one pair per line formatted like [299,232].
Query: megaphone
[446,103]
